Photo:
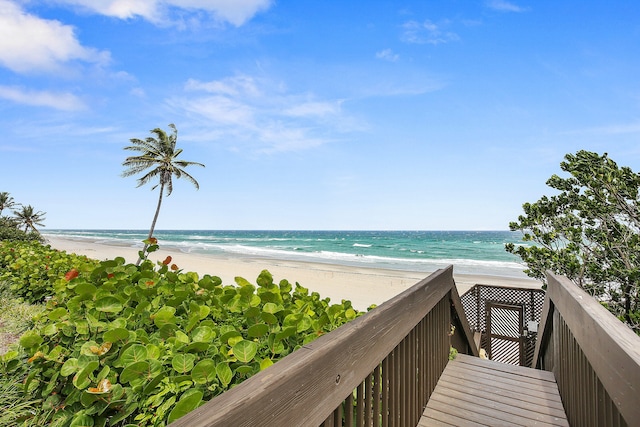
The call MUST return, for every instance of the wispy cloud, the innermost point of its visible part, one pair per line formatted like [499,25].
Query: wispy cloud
[427,32]
[387,55]
[234,12]
[30,44]
[260,115]
[56,100]
[505,6]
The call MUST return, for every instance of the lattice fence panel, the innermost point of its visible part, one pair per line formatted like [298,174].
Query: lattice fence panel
[475,300]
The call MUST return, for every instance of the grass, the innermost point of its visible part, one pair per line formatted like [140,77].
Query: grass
[16,317]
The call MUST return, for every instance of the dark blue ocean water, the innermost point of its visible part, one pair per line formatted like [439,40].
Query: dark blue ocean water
[472,252]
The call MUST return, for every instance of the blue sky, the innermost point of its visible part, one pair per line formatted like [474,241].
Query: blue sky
[312,114]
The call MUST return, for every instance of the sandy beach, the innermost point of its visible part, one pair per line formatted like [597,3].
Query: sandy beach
[362,286]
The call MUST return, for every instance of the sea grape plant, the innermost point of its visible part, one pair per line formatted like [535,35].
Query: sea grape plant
[29,269]
[143,345]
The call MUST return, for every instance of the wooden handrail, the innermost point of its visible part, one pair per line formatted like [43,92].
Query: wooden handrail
[594,356]
[308,387]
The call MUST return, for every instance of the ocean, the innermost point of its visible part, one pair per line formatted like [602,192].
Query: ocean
[471,252]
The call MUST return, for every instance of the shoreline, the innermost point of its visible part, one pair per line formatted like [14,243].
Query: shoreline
[363,286]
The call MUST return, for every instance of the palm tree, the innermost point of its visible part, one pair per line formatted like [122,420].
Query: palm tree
[6,202]
[160,155]
[29,218]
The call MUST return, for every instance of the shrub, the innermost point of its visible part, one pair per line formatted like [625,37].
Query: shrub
[146,344]
[29,269]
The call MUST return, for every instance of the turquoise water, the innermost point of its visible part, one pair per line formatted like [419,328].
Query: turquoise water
[471,252]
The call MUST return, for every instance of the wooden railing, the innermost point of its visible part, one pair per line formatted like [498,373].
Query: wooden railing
[378,370]
[595,357]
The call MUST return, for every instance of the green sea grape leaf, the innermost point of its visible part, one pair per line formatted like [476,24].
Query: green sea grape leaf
[30,339]
[225,337]
[264,279]
[109,305]
[81,420]
[148,388]
[258,330]
[57,313]
[85,289]
[224,373]
[182,337]
[269,318]
[69,367]
[189,401]
[134,371]
[304,324]
[81,379]
[203,334]
[241,281]
[115,335]
[197,347]
[265,363]
[350,314]
[245,350]
[204,372]
[134,353]
[50,329]
[183,363]
[271,308]
[286,333]
[163,316]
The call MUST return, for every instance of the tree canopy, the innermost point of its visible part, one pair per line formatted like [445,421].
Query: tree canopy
[589,231]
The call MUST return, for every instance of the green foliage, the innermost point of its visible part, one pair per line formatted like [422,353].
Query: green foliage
[29,269]
[9,231]
[588,232]
[123,344]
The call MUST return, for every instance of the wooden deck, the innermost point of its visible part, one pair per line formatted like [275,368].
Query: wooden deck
[477,392]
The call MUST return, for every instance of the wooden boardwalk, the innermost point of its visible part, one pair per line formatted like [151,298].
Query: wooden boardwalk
[477,392]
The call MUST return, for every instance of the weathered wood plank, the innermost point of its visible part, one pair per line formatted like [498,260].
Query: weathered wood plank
[526,413]
[543,406]
[489,380]
[524,378]
[505,367]
[484,392]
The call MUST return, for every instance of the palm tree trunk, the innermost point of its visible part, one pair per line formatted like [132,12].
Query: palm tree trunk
[153,223]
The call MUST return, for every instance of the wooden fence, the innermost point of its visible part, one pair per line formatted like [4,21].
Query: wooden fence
[595,358]
[378,370]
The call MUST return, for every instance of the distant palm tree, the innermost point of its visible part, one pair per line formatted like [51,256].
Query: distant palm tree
[28,217]
[160,155]
[6,202]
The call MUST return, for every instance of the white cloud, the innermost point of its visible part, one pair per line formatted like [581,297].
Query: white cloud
[31,44]
[427,32]
[318,109]
[505,6]
[387,55]
[236,12]
[59,101]
[257,115]
[231,86]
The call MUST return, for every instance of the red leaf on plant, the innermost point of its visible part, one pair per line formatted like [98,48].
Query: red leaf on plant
[167,260]
[71,274]
[174,267]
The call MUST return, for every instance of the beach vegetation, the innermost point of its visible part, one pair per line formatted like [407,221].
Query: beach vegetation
[588,231]
[26,217]
[6,201]
[158,159]
[123,344]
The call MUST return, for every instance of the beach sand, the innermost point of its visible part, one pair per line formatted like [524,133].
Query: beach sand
[363,286]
